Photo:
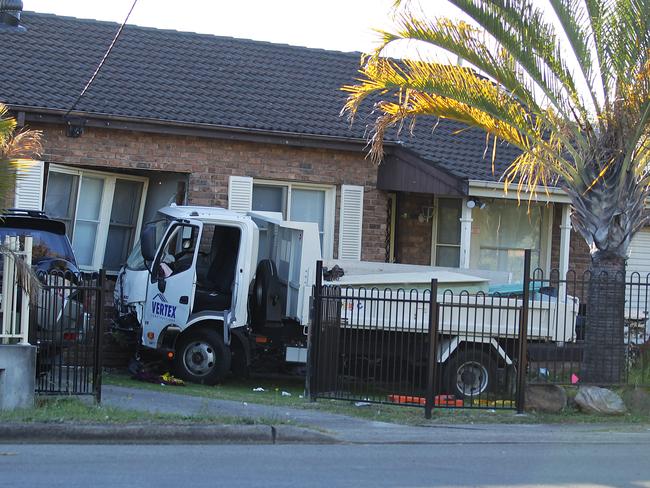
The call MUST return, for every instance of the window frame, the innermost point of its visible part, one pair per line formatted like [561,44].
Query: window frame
[434,232]
[329,213]
[545,233]
[105,209]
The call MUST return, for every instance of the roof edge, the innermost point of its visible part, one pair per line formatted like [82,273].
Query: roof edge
[183,128]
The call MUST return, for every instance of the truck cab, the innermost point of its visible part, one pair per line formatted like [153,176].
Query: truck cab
[203,288]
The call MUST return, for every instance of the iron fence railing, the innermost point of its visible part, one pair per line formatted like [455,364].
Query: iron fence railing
[402,347]
[469,350]
[562,362]
[67,327]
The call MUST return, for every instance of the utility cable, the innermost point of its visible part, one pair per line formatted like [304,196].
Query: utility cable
[101,63]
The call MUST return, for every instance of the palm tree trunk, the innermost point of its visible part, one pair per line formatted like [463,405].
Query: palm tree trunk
[604,359]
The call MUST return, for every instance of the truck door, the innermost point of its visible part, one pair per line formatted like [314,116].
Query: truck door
[171,286]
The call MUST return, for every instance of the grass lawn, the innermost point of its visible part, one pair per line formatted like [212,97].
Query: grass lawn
[242,391]
[68,409]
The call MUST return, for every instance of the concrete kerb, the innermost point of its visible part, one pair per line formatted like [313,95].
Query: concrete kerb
[146,433]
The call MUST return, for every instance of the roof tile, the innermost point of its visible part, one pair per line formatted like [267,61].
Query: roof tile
[181,76]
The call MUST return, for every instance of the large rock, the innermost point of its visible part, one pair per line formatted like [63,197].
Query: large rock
[545,398]
[593,399]
[637,400]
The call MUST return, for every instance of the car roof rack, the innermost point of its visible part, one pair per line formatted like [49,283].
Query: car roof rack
[22,212]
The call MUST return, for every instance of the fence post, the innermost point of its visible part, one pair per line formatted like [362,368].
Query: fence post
[522,361]
[314,334]
[99,333]
[433,346]
[25,300]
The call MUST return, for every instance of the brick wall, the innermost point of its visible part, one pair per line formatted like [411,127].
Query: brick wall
[413,237]
[209,163]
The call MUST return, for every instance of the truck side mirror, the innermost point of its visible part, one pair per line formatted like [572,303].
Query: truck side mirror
[148,243]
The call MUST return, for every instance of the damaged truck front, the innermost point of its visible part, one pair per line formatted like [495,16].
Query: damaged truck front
[212,289]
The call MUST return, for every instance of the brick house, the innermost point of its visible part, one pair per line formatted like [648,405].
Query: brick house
[206,120]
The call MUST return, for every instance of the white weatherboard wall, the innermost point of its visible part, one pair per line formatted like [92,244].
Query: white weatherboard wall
[29,186]
[350,222]
[638,262]
[240,194]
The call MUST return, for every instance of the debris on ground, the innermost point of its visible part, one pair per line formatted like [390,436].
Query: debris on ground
[168,379]
[164,379]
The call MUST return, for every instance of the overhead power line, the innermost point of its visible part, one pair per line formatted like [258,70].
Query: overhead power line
[101,63]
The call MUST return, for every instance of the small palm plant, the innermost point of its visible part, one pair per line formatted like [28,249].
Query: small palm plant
[583,125]
[16,150]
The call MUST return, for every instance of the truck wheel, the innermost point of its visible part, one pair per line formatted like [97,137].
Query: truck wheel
[470,374]
[202,357]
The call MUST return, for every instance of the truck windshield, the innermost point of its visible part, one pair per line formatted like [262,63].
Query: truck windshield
[45,245]
[135,261]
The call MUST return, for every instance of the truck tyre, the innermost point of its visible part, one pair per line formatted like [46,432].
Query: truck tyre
[202,357]
[470,374]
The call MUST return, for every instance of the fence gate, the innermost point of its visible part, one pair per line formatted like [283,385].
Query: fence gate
[401,347]
[66,325]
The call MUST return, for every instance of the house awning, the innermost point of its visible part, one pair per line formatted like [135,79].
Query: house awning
[403,171]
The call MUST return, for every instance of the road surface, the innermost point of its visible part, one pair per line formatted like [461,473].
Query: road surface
[351,465]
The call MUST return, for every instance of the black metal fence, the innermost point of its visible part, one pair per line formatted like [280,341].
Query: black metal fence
[468,350]
[66,325]
[401,347]
[560,356]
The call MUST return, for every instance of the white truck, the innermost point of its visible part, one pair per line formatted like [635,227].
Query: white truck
[213,290]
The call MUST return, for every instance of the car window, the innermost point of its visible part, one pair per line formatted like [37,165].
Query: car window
[45,245]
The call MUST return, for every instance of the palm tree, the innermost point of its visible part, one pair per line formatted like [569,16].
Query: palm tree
[581,124]
[16,150]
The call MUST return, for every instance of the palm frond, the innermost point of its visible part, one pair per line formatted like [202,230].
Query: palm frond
[595,144]
[532,55]
[412,81]
[422,88]
[25,275]
[598,11]
[467,42]
[571,15]
[629,39]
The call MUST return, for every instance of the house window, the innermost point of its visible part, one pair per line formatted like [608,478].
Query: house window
[125,213]
[447,232]
[500,234]
[301,203]
[102,213]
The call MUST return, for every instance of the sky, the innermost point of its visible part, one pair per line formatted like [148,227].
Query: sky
[341,25]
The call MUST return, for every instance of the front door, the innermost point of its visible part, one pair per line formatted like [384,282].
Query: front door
[170,289]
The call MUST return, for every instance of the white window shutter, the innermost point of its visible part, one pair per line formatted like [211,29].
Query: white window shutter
[240,194]
[350,222]
[29,186]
